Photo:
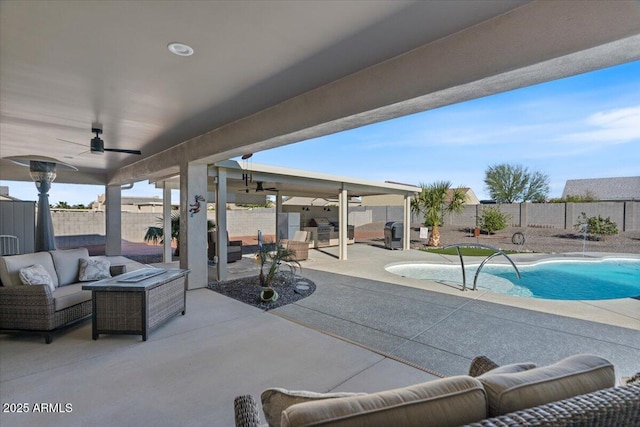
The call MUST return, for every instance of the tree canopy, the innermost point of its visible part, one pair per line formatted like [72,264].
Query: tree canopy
[515,183]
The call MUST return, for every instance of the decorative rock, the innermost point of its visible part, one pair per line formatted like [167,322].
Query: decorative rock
[301,288]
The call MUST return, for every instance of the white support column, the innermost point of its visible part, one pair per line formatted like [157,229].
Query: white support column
[193,223]
[113,219]
[407,223]
[278,212]
[221,224]
[343,205]
[167,255]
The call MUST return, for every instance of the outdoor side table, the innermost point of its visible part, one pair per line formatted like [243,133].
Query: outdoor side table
[122,305]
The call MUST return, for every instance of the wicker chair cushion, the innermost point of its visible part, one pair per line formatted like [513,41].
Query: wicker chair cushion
[66,263]
[10,267]
[276,400]
[36,275]
[581,374]
[447,402]
[93,269]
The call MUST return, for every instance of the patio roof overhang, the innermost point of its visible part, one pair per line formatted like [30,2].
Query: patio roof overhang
[282,181]
[287,79]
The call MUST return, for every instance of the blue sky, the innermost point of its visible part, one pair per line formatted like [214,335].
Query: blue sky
[586,126]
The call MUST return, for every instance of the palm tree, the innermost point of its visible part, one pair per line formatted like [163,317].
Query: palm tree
[434,201]
[155,235]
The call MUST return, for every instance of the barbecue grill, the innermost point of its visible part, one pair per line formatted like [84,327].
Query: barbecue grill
[324,230]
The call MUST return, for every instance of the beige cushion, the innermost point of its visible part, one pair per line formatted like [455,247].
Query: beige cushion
[10,267]
[93,269]
[67,296]
[231,249]
[300,236]
[276,400]
[36,275]
[514,367]
[581,374]
[66,263]
[448,402]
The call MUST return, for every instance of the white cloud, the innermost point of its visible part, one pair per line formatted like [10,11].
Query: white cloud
[609,127]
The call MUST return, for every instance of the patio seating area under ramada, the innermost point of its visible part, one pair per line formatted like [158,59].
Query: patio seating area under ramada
[191,368]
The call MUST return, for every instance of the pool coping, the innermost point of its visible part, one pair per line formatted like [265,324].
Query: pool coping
[520,262]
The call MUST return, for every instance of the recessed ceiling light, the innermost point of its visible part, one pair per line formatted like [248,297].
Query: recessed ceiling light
[180,49]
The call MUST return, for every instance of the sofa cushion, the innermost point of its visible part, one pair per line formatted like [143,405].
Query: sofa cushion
[448,402]
[10,267]
[66,263]
[580,374]
[36,275]
[514,367]
[93,269]
[276,400]
[67,296]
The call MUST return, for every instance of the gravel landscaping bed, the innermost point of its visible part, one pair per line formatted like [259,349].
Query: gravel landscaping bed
[247,290]
[547,240]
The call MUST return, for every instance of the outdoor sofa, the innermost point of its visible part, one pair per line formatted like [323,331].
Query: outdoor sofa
[576,391]
[47,308]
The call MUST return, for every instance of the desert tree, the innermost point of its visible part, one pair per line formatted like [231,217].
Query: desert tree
[515,183]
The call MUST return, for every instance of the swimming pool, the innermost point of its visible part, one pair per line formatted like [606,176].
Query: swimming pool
[552,279]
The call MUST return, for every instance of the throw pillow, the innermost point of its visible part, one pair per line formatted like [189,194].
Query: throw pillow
[93,269]
[36,275]
[276,400]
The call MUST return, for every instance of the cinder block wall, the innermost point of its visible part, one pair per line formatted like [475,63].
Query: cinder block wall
[88,227]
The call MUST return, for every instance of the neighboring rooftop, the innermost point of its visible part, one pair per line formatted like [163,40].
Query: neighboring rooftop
[605,189]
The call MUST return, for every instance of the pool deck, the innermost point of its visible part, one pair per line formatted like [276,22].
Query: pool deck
[440,327]
[369,262]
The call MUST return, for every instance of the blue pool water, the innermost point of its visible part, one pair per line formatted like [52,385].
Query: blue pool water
[563,280]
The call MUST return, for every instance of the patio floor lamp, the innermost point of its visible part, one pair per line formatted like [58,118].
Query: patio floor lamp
[42,171]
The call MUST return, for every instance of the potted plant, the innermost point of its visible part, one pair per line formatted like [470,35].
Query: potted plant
[266,256]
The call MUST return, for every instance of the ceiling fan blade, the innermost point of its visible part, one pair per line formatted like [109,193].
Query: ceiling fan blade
[119,150]
[71,142]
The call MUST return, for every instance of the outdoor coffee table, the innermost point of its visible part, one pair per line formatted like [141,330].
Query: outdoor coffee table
[134,304]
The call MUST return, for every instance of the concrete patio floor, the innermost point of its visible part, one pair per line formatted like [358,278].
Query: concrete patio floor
[190,369]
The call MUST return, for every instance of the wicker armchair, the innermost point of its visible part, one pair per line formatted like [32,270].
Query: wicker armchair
[299,245]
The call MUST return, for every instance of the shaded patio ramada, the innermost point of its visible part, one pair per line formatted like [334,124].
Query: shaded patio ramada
[187,115]
[189,370]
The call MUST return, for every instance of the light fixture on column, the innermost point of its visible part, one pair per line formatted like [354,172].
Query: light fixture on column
[42,171]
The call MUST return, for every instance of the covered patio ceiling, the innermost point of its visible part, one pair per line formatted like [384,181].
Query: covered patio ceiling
[281,181]
[268,73]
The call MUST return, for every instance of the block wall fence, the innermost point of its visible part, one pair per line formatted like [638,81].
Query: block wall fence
[88,227]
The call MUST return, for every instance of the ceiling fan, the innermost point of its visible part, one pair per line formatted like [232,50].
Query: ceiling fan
[259,188]
[97,145]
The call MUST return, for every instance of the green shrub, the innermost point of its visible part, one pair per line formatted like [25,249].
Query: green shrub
[596,226]
[493,219]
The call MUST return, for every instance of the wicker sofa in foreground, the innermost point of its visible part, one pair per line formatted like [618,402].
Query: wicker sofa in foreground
[45,309]
[576,391]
